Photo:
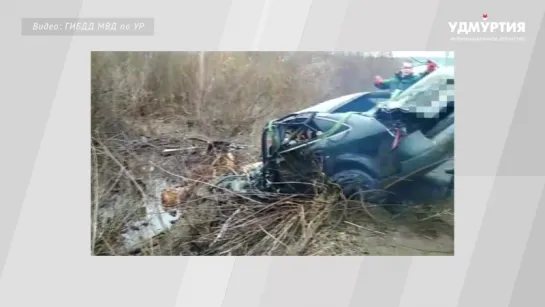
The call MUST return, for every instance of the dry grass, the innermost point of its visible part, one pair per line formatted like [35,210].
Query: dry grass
[143,103]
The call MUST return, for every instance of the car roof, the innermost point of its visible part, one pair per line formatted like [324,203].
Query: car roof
[328,105]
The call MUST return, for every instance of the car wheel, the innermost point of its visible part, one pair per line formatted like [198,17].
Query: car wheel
[358,186]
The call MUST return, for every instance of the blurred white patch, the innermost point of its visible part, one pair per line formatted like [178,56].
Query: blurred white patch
[156,220]
[251,167]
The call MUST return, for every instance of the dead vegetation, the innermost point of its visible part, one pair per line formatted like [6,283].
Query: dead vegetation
[195,104]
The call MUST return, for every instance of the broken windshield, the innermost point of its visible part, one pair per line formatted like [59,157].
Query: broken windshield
[432,91]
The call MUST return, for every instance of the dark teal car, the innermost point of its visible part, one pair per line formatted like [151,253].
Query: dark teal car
[368,145]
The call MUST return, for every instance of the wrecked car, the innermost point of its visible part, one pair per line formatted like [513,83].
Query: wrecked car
[395,150]
[373,147]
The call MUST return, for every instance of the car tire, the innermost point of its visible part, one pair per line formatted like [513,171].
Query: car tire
[354,183]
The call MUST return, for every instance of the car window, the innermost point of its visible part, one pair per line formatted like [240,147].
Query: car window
[363,104]
[328,105]
[376,101]
[326,125]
